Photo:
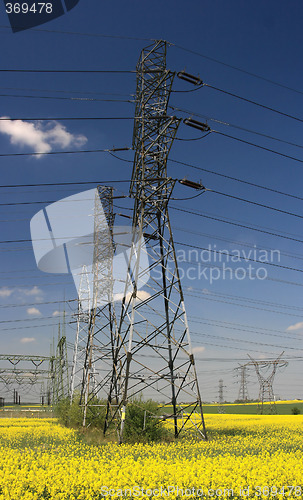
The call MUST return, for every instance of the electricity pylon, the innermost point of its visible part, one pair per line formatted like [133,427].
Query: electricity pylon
[266,393]
[243,390]
[83,315]
[152,352]
[220,407]
[60,376]
[102,323]
[23,371]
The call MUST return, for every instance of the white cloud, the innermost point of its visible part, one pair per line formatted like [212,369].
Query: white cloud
[141,296]
[26,340]
[6,292]
[41,138]
[56,313]
[295,327]
[197,350]
[33,311]
[29,292]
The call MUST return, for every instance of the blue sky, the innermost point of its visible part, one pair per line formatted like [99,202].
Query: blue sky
[228,317]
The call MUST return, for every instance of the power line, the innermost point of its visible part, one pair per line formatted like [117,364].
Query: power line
[241,243]
[83,71]
[198,214]
[36,303]
[44,184]
[207,297]
[77,33]
[254,276]
[59,152]
[239,257]
[222,122]
[235,179]
[29,319]
[78,99]
[294,158]
[217,61]
[210,190]
[127,180]
[254,102]
[245,341]
[121,37]
[66,91]
[28,327]
[255,203]
[248,299]
[224,219]
[245,328]
[66,118]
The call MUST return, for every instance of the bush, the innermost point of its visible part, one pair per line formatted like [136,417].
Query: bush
[141,422]
[71,414]
[295,410]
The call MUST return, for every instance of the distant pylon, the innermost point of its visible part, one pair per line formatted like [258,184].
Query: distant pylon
[243,390]
[220,407]
[266,394]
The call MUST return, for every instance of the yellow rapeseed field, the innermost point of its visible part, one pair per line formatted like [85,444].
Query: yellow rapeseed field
[246,456]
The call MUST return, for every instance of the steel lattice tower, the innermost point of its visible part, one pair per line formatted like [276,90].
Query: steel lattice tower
[23,371]
[243,390]
[153,354]
[83,315]
[220,407]
[266,393]
[60,376]
[101,337]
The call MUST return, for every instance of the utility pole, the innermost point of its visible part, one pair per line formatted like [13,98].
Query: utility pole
[152,353]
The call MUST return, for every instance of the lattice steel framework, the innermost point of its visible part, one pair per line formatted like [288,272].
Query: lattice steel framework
[59,368]
[24,371]
[243,390]
[266,393]
[83,318]
[102,322]
[220,407]
[152,352]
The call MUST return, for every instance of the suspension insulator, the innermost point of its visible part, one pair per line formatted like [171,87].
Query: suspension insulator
[196,124]
[195,80]
[191,184]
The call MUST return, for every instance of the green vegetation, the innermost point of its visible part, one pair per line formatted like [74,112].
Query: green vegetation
[71,414]
[252,408]
[295,410]
[142,423]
